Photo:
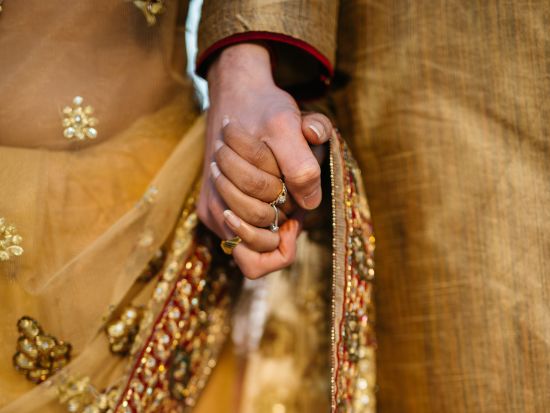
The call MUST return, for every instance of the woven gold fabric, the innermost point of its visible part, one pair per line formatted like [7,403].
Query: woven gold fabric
[312,21]
[448,108]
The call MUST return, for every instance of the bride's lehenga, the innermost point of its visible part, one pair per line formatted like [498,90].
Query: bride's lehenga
[114,298]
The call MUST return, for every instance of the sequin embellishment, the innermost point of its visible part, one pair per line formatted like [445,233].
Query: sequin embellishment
[39,355]
[78,121]
[150,9]
[80,396]
[355,370]
[10,241]
[172,367]
[122,330]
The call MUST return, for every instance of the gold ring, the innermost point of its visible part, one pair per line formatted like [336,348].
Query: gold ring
[281,198]
[228,245]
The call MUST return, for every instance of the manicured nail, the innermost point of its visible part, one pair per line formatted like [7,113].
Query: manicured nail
[309,200]
[215,170]
[225,121]
[232,219]
[217,145]
[316,127]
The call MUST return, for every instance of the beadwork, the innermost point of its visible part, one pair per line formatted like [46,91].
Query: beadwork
[181,351]
[80,396]
[355,377]
[38,355]
[150,9]
[10,241]
[122,330]
[78,121]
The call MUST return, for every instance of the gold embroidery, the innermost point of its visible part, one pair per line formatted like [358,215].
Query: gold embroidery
[182,348]
[153,267]
[78,121]
[39,355]
[150,9]
[122,331]
[183,326]
[10,241]
[149,197]
[355,376]
[81,397]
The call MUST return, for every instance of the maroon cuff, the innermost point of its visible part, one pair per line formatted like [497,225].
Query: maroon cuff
[206,57]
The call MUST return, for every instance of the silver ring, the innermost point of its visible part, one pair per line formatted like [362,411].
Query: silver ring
[275,226]
[281,198]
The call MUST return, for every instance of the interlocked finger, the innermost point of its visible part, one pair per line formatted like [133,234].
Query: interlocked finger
[254,264]
[249,179]
[256,239]
[250,148]
[251,210]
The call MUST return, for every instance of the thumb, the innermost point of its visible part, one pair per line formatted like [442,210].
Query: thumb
[299,166]
[317,128]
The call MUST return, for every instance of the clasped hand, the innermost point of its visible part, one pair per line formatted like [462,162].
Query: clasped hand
[257,136]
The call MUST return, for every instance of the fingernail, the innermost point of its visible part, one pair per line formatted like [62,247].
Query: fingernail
[217,145]
[309,200]
[316,127]
[215,170]
[225,121]
[232,219]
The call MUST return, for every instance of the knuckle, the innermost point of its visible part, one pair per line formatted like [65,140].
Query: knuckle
[259,154]
[283,118]
[259,216]
[248,236]
[255,185]
[306,175]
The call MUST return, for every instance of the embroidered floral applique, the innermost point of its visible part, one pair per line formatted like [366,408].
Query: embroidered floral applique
[39,355]
[78,121]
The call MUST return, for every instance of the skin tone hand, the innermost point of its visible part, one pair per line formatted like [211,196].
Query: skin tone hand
[269,134]
[244,187]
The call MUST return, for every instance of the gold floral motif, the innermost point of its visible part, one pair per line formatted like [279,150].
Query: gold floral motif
[151,9]
[80,396]
[78,121]
[10,241]
[39,355]
[122,330]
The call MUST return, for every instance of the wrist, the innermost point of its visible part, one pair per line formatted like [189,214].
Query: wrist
[247,63]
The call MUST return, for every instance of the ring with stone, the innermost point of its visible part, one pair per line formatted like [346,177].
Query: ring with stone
[281,198]
[228,245]
[274,227]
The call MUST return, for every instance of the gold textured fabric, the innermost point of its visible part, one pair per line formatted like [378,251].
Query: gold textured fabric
[447,106]
[312,21]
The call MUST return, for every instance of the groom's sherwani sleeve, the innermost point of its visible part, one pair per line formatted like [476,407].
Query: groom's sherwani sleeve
[301,36]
